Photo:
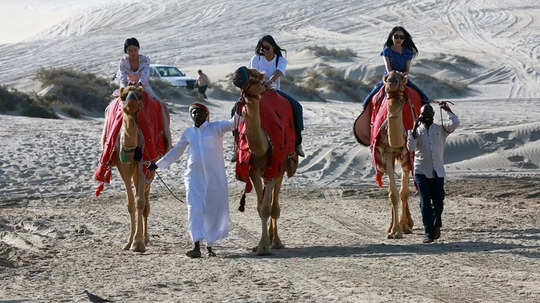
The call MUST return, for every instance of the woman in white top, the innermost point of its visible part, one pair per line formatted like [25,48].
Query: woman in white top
[269,60]
[135,68]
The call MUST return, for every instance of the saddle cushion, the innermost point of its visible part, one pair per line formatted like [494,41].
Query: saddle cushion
[277,121]
[153,129]
[378,104]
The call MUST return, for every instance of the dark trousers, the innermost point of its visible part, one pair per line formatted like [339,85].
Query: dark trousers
[431,192]
[298,116]
[202,90]
[425,98]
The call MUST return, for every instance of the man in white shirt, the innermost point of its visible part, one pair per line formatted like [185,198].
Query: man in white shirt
[204,178]
[427,140]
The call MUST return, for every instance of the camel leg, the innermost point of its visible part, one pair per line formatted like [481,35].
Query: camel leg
[395,232]
[126,172]
[146,212]
[406,221]
[274,215]
[138,243]
[263,207]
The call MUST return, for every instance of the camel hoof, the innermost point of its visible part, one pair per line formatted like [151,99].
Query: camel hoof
[277,245]
[138,247]
[263,251]
[127,246]
[395,236]
[407,230]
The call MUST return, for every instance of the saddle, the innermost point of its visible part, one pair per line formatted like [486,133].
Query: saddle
[369,123]
[153,121]
[277,121]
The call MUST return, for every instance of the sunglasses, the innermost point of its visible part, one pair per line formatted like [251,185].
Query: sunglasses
[266,48]
[400,37]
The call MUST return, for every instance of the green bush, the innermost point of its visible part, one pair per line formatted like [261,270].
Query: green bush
[86,90]
[13,101]
[71,110]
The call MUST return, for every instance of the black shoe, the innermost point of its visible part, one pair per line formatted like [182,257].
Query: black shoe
[300,151]
[427,240]
[437,233]
[193,253]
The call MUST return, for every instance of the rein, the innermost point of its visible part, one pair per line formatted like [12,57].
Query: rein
[147,163]
[441,103]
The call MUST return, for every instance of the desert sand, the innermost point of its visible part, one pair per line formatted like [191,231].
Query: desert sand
[57,239]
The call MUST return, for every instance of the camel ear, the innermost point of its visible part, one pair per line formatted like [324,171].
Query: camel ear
[139,91]
[384,77]
[405,77]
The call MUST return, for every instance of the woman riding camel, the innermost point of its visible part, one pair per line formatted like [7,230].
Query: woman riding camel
[135,68]
[269,60]
[398,52]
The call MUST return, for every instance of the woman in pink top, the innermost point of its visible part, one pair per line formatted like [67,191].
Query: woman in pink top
[135,68]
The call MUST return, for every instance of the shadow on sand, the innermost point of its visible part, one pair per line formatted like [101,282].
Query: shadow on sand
[392,250]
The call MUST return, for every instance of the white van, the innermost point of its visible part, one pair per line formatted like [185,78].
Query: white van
[172,75]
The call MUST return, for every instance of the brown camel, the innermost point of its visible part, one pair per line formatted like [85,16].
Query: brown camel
[130,166]
[391,148]
[267,190]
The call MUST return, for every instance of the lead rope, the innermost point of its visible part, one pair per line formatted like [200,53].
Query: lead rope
[159,177]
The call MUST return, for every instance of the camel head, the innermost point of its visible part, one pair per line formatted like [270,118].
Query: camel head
[249,80]
[394,82]
[131,95]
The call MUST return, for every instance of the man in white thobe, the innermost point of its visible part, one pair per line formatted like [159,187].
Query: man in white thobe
[204,178]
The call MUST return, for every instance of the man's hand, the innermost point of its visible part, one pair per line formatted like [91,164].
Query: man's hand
[267,85]
[444,105]
[416,124]
[152,166]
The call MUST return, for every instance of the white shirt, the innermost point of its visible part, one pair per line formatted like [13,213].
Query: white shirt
[126,73]
[260,63]
[204,178]
[429,147]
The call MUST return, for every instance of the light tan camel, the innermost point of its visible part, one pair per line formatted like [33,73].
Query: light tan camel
[127,157]
[391,148]
[267,189]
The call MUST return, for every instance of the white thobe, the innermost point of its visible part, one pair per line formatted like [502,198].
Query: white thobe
[205,179]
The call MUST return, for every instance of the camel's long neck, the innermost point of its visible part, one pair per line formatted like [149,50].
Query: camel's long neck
[395,120]
[257,141]
[128,138]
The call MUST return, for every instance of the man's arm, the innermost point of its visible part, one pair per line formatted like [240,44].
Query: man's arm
[454,120]
[175,153]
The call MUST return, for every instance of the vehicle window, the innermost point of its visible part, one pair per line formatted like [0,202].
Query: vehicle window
[169,71]
[153,73]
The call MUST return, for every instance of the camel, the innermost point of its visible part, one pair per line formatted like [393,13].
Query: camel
[267,190]
[127,156]
[391,148]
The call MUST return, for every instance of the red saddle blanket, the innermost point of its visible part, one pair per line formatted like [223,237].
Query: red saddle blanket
[151,124]
[277,121]
[368,125]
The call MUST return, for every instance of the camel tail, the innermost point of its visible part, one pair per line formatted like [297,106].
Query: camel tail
[242,206]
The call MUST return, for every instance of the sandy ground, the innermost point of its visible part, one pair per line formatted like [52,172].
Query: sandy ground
[53,249]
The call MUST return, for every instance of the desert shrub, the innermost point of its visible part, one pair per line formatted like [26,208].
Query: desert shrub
[38,111]
[86,90]
[71,110]
[321,51]
[13,101]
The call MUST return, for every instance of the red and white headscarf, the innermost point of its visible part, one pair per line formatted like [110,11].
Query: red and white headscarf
[201,106]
